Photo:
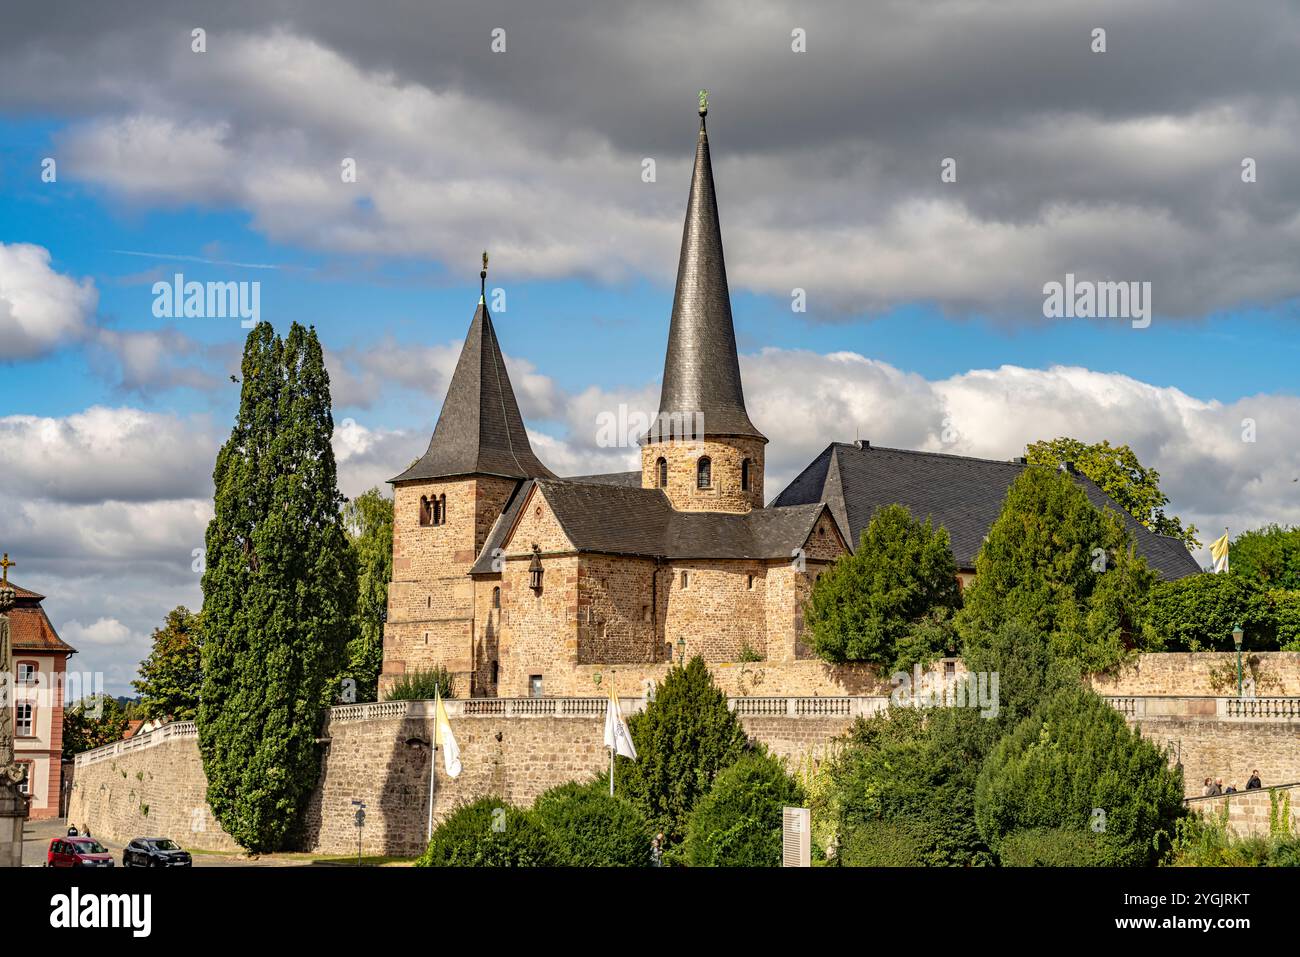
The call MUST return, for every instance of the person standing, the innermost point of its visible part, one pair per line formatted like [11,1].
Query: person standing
[1254,783]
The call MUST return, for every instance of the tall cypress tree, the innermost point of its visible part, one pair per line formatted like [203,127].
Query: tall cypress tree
[279,593]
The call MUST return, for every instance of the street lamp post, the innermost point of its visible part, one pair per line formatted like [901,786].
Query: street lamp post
[681,651]
[1237,636]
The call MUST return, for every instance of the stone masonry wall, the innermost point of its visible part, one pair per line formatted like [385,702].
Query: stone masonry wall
[160,790]
[1277,673]
[724,493]
[1251,813]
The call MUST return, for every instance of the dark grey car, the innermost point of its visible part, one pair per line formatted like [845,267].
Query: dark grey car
[155,852]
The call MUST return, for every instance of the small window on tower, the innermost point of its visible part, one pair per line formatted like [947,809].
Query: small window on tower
[496,597]
[661,473]
[685,580]
[744,475]
[426,511]
[750,583]
[704,473]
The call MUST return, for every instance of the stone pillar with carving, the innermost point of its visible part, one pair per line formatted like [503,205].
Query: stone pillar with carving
[13,804]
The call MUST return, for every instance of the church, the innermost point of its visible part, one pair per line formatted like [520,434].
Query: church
[514,579]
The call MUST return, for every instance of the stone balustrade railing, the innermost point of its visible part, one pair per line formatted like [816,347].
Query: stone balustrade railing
[1131,706]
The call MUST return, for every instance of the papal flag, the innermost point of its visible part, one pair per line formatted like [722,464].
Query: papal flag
[617,737]
[1219,552]
[443,737]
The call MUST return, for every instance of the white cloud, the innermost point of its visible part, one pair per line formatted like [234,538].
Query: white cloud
[103,631]
[40,309]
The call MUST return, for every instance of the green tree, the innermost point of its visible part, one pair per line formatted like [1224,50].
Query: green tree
[1198,613]
[738,823]
[1059,567]
[889,602]
[172,676]
[685,736]
[1074,765]
[1269,556]
[279,593]
[488,833]
[1119,474]
[92,722]
[905,787]
[368,519]
[589,828]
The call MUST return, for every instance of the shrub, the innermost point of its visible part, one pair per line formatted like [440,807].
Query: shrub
[897,843]
[1197,613]
[422,685]
[888,602]
[588,828]
[1202,841]
[685,736]
[1056,847]
[488,833]
[738,823]
[916,769]
[1073,755]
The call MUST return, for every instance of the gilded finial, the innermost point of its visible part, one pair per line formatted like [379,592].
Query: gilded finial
[482,279]
[704,102]
[6,564]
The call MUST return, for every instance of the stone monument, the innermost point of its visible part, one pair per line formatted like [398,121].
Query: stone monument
[13,803]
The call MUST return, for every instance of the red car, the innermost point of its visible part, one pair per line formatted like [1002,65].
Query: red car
[77,852]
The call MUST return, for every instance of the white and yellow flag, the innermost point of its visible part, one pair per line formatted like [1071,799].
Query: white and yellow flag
[617,737]
[1219,552]
[443,737]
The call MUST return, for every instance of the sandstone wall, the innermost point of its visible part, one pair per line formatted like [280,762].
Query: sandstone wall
[1276,673]
[1250,813]
[156,791]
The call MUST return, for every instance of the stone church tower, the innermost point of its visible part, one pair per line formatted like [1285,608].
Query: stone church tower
[445,504]
[702,450]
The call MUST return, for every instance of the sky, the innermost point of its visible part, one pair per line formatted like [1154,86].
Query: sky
[897,184]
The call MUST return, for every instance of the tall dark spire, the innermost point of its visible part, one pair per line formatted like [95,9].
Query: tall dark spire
[479,430]
[701,371]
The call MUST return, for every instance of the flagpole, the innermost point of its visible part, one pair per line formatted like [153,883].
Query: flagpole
[433,769]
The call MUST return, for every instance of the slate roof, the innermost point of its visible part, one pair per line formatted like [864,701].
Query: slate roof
[29,627]
[962,494]
[628,479]
[701,371]
[479,430]
[618,519]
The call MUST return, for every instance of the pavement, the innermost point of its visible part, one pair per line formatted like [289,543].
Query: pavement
[37,836]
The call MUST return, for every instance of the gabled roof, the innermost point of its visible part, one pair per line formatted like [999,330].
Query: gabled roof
[479,430]
[962,494]
[29,627]
[701,370]
[617,519]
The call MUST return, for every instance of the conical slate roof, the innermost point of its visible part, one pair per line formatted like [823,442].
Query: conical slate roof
[701,371]
[480,430]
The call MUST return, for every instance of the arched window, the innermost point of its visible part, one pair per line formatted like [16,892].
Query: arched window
[496,597]
[704,473]
[442,510]
[661,473]
[426,511]
[744,475]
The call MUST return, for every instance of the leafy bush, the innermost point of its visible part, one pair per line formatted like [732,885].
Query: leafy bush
[685,736]
[1056,847]
[488,833]
[738,823]
[898,843]
[869,605]
[422,685]
[1203,841]
[1269,556]
[1197,613]
[915,769]
[588,828]
[1075,754]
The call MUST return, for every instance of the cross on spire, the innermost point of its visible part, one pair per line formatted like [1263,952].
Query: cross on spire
[6,564]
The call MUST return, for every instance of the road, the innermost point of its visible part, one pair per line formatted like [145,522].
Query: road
[37,836]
